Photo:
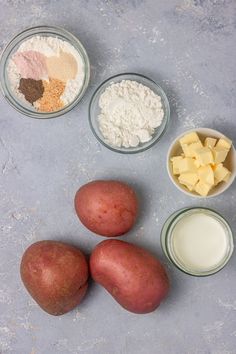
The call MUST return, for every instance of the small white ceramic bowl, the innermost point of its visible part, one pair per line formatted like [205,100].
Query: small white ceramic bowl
[230,162]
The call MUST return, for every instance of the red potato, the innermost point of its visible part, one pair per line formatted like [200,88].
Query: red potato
[132,275]
[55,274]
[107,208]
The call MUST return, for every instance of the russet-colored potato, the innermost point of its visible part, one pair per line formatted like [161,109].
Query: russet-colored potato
[55,274]
[132,275]
[107,208]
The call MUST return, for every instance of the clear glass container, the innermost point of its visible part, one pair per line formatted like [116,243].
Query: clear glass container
[167,240]
[94,111]
[12,47]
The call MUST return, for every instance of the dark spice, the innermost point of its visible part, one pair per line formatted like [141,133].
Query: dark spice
[31,89]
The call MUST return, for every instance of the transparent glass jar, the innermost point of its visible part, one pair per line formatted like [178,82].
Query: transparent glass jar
[168,244]
[12,47]
[94,111]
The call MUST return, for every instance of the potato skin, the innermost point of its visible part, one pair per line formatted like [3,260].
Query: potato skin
[108,208]
[55,274]
[134,277]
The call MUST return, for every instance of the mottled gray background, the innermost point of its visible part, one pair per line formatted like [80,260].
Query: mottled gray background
[188,47]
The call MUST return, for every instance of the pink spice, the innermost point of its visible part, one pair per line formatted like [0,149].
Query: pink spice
[31,64]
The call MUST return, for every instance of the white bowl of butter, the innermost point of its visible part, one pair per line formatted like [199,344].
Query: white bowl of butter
[202,162]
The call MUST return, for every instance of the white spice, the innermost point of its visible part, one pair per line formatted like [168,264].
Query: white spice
[130,113]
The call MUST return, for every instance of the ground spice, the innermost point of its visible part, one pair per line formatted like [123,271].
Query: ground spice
[51,101]
[63,67]
[31,89]
[31,64]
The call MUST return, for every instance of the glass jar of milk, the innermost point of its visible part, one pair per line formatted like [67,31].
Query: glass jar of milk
[198,241]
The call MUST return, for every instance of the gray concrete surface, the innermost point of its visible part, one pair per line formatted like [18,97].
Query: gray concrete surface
[188,47]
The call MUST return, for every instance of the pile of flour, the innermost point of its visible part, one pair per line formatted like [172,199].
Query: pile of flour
[49,46]
[130,112]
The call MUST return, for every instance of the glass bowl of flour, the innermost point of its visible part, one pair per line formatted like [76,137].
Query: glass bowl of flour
[44,72]
[129,113]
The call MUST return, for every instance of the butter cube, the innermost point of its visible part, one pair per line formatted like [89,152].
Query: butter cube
[227,177]
[190,188]
[224,143]
[186,165]
[196,163]
[206,175]
[188,179]
[204,156]
[189,138]
[189,150]
[221,173]
[202,188]
[210,142]
[219,154]
[186,150]
[175,164]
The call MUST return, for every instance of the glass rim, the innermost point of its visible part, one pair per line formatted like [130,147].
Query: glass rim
[155,139]
[166,234]
[23,35]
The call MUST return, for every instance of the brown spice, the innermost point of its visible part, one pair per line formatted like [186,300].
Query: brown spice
[31,89]
[51,101]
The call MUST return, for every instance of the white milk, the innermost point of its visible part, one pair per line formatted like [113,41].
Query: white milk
[199,241]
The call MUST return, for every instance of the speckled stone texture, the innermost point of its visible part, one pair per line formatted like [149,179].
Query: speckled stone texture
[188,47]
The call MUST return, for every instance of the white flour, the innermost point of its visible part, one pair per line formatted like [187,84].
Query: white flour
[130,112]
[14,78]
[49,46]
